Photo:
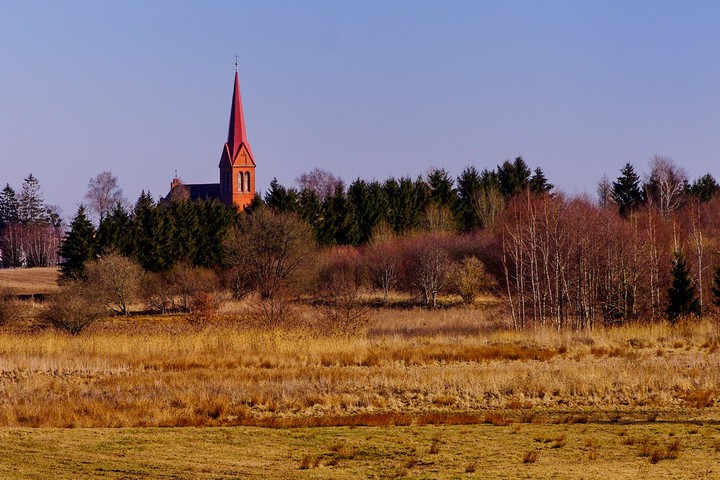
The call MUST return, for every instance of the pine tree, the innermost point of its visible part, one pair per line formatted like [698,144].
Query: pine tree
[704,188]
[281,199]
[78,246]
[31,206]
[9,209]
[626,192]
[682,298]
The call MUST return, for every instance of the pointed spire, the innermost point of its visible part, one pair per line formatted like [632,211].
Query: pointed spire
[236,132]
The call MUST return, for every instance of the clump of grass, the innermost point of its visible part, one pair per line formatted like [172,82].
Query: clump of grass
[309,461]
[531,456]
[411,462]
[670,451]
[435,446]
[471,467]
[343,450]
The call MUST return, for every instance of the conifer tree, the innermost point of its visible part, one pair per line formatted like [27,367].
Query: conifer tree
[31,206]
[538,183]
[78,246]
[9,210]
[682,297]
[513,177]
[715,289]
[469,185]
[115,232]
[626,192]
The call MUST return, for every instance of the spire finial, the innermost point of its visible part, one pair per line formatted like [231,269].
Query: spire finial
[236,63]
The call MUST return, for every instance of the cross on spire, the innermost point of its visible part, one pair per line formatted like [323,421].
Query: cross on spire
[236,63]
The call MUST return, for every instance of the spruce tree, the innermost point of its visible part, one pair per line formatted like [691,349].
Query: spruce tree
[78,246]
[626,192]
[31,206]
[682,298]
[9,210]
[514,177]
[538,184]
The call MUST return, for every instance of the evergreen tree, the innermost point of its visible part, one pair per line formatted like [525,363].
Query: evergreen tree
[115,232]
[217,220]
[9,209]
[538,184]
[310,210]
[281,199]
[334,227]
[514,177]
[442,190]
[367,205]
[31,206]
[704,188]
[469,185]
[78,246]
[682,298]
[626,192]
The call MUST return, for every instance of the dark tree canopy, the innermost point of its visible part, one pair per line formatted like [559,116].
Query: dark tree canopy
[682,297]
[626,191]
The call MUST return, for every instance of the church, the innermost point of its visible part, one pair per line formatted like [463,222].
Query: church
[237,165]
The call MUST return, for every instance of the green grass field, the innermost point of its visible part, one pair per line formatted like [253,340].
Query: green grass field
[609,450]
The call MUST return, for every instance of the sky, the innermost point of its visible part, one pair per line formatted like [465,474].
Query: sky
[367,89]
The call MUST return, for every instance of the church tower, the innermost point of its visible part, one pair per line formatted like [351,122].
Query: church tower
[237,164]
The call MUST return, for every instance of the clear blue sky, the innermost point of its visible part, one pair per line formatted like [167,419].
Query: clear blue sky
[364,89]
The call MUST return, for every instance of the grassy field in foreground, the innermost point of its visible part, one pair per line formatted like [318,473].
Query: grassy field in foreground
[644,450]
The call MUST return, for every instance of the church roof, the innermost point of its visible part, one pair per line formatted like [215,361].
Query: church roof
[236,132]
[194,191]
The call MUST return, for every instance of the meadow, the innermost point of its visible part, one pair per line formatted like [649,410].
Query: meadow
[419,393]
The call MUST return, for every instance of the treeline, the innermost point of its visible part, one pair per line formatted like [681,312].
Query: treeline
[437,202]
[30,230]
[644,249]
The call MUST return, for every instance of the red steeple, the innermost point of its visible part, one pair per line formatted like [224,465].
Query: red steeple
[236,132]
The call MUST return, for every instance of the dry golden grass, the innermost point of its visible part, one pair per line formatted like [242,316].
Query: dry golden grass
[412,368]
[27,281]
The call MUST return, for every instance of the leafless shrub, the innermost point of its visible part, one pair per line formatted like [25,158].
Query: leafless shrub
[430,265]
[115,280]
[74,308]
[339,280]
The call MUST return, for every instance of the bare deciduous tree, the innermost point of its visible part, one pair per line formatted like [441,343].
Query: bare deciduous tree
[115,280]
[270,249]
[103,194]
[430,268]
[320,181]
[666,184]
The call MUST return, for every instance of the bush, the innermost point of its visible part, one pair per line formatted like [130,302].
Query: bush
[74,308]
[469,278]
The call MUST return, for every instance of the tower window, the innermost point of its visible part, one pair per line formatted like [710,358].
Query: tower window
[247,181]
[241,184]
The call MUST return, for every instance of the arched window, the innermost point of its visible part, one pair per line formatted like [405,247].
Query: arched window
[247,181]
[240,182]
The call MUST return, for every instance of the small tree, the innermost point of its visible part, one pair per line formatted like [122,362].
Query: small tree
[429,270]
[103,194]
[270,249]
[469,278]
[115,280]
[74,308]
[78,246]
[682,297]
